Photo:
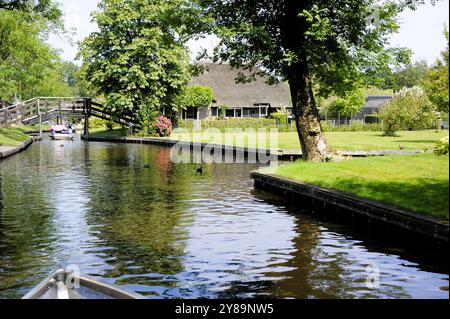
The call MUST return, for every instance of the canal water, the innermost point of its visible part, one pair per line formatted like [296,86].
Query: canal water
[127,215]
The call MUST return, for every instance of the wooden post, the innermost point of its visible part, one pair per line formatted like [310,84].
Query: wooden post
[87,114]
[59,113]
[40,118]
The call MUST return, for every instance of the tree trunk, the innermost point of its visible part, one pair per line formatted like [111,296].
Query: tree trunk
[294,28]
[312,140]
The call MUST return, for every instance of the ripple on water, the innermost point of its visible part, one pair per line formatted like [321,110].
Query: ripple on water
[168,232]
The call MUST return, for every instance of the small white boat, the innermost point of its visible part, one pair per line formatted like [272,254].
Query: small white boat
[68,285]
[61,132]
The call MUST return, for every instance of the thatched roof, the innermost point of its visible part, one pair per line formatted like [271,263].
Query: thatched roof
[221,78]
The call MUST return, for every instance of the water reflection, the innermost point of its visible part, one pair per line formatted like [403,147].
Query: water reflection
[128,215]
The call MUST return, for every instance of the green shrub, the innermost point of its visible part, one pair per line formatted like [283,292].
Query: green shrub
[442,147]
[345,107]
[222,110]
[410,109]
[280,117]
[195,96]
[232,123]
[109,125]
[95,122]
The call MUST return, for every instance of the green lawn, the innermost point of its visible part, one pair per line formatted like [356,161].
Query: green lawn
[117,132]
[349,141]
[418,183]
[35,127]
[12,136]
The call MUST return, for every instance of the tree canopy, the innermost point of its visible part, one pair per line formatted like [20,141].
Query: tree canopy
[436,81]
[138,59]
[345,107]
[28,66]
[195,96]
[409,76]
[47,9]
[335,44]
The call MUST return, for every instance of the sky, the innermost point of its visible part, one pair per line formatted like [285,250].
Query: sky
[421,30]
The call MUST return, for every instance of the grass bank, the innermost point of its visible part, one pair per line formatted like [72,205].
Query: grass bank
[418,183]
[117,132]
[13,136]
[348,141]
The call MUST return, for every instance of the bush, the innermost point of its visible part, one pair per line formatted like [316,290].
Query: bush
[222,110]
[232,123]
[195,96]
[345,107]
[161,126]
[442,147]
[410,109]
[95,122]
[280,117]
[109,125]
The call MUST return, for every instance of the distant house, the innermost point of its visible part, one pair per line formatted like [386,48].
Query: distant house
[255,99]
[373,106]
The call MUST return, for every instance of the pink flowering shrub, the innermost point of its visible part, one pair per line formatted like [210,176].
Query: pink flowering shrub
[161,126]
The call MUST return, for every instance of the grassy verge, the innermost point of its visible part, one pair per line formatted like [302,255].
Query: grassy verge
[116,132]
[418,183]
[12,136]
[35,127]
[349,141]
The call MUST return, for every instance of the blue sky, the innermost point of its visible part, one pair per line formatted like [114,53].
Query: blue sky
[421,30]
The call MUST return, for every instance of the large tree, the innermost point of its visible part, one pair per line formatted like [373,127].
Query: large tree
[138,59]
[47,9]
[330,43]
[410,75]
[28,66]
[436,81]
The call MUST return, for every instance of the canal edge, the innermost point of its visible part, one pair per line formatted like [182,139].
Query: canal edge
[11,150]
[387,214]
[280,154]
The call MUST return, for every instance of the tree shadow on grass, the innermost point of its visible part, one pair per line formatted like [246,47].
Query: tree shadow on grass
[425,196]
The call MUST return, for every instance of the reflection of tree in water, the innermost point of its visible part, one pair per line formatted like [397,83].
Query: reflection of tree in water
[25,230]
[326,264]
[135,210]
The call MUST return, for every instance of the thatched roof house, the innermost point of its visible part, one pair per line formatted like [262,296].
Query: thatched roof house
[221,78]
[253,99]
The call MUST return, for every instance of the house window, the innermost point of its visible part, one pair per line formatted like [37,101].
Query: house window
[190,113]
[238,113]
[263,111]
[214,111]
[251,112]
[229,113]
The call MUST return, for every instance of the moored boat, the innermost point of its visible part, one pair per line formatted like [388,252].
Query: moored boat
[61,132]
[68,285]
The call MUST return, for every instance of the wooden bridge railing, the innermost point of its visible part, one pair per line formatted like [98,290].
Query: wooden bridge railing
[41,109]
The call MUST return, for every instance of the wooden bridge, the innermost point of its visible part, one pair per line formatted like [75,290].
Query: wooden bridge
[42,109]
